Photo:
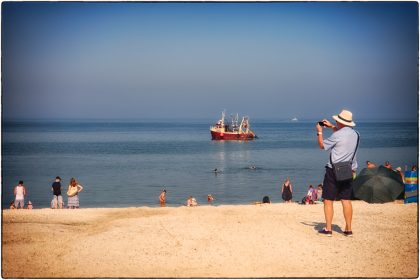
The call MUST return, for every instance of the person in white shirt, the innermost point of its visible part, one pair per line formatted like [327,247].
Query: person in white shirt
[20,193]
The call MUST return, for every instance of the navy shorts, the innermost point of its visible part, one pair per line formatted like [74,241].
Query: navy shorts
[331,190]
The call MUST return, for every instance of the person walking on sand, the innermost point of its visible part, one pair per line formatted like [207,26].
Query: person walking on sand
[72,192]
[20,193]
[162,198]
[287,191]
[342,145]
[57,197]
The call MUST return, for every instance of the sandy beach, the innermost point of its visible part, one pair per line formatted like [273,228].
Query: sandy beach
[276,240]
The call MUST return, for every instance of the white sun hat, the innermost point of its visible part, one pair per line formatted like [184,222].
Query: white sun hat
[345,117]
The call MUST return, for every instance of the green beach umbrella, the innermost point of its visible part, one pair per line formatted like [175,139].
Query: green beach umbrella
[378,185]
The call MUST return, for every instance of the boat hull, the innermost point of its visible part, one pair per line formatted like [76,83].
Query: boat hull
[215,135]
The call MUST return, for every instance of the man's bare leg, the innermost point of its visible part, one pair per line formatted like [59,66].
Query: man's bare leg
[329,213]
[348,213]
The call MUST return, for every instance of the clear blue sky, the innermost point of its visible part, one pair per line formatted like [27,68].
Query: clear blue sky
[193,60]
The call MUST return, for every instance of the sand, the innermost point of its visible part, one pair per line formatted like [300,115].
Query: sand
[276,240]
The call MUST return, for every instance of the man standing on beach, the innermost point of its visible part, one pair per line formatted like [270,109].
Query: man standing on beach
[342,145]
[57,197]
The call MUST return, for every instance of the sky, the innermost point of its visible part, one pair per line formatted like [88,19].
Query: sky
[274,60]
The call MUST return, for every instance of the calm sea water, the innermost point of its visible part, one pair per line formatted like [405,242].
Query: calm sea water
[129,163]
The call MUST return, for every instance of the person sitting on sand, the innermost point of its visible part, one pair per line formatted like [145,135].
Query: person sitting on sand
[194,202]
[30,206]
[12,205]
[388,165]
[210,198]
[191,201]
[266,199]
[399,171]
[162,198]
[319,194]
[370,164]
[310,195]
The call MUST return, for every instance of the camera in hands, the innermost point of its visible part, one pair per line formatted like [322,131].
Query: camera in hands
[321,123]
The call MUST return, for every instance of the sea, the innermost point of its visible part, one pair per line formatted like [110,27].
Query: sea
[128,163]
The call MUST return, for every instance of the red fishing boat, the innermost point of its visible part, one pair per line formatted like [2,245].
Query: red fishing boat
[234,131]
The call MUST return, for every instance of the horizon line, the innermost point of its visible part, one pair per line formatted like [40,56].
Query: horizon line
[195,119]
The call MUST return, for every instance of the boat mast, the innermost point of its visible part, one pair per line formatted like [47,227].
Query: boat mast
[244,124]
[222,120]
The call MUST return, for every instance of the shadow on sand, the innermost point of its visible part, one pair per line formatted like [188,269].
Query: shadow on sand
[319,226]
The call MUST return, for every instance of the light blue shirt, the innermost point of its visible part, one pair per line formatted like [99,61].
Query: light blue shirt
[342,144]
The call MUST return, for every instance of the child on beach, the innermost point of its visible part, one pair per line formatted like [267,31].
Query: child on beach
[30,206]
[57,197]
[12,205]
[210,198]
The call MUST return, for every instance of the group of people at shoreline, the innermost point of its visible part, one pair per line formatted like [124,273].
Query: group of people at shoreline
[57,202]
[191,201]
[313,196]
